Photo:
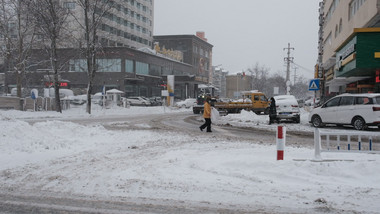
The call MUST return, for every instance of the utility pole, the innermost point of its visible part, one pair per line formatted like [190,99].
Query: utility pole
[288,61]
[320,71]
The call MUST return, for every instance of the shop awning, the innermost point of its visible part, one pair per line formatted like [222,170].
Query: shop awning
[340,81]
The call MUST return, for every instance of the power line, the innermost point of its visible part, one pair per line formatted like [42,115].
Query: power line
[306,69]
[295,74]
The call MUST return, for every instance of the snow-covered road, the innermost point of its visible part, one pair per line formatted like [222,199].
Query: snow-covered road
[195,173]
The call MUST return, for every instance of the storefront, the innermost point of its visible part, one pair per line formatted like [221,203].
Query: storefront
[134,72]
[357,66]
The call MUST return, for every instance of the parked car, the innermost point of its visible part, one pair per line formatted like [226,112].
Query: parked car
[358,110]
[155,101]
[98,98]
[189,102]
[287,108]
[312,102]
[138,101]
[78,100]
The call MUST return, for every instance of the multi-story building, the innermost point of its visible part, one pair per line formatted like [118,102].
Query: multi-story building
[196,52]
[350,46]
[124,23]
[128,23]
[237,83]
[219,81]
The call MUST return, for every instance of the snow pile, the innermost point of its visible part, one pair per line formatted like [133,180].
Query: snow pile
[250,119]
[69,158]
[96,111]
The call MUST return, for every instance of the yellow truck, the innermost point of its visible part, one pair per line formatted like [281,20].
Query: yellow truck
[251,101]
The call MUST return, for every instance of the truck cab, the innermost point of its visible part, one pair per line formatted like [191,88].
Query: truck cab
[259,101]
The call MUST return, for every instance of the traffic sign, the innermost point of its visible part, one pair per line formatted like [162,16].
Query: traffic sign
[314,85]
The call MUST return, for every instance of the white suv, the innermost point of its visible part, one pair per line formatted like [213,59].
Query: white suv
[358,110]
[287,108]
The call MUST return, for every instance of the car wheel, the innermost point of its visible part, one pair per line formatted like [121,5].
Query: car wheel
[316,121]
[358,123]
[297,120]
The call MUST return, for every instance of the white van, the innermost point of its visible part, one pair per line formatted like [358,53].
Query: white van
[358,110]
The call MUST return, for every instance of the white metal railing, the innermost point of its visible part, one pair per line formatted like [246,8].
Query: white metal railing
[344,146]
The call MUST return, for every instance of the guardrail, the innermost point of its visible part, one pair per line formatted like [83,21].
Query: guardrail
[345,141]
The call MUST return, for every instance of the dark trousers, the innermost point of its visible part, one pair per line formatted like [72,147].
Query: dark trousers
[207,124]
[272,118]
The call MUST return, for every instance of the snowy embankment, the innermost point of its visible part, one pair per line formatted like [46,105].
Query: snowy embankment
[91,161]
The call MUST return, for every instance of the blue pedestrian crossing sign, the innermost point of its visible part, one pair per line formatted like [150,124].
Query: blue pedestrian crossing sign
[314,85]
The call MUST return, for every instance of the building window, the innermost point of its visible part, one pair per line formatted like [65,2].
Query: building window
[78,65]
[108,65]
[331,10]
[155,70]
[142,68]
[143,91]
[328,40]
[103,65]
[128,66]
[336,31]
[69,5]
[354,7]
[340,26]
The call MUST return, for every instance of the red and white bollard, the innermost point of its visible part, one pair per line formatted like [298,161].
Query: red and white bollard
[280,141]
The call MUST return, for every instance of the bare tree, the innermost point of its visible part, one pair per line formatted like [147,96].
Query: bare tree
[50,17]
[259,75]
[17,31]
[94,12]
[300,89]
[275,80]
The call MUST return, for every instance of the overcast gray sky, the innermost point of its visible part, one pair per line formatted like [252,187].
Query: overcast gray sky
[244,32]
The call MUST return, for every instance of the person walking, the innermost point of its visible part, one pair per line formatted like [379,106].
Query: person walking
[206,115]
[272,111]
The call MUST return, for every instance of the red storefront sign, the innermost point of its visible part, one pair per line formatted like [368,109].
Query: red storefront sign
[62,84]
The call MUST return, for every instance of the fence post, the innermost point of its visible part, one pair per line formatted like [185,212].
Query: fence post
[280,140]
[317,144]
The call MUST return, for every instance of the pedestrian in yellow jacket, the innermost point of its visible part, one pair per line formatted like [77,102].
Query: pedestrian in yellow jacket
[207,115]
